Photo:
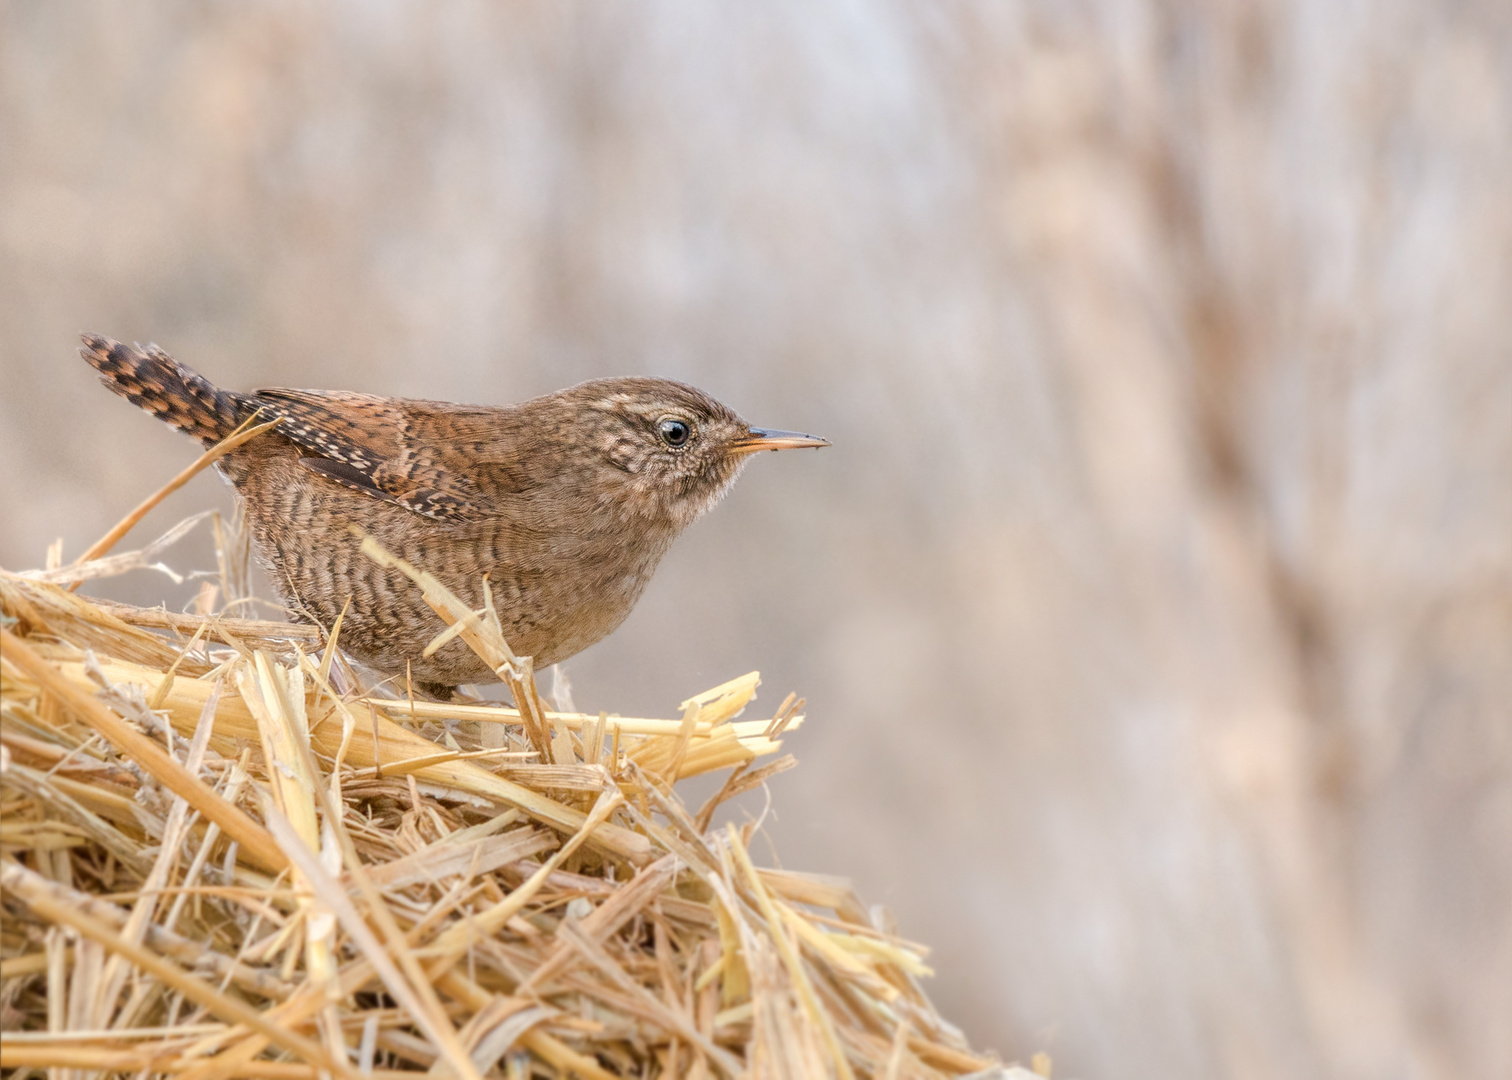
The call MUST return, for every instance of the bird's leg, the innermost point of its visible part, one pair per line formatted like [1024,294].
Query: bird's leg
[436,690]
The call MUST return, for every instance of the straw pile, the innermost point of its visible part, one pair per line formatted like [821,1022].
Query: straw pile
[229,853]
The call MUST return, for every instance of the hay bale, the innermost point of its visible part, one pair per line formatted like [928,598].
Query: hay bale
[229,853]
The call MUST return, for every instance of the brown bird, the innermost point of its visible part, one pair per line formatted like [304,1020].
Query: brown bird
[566,503]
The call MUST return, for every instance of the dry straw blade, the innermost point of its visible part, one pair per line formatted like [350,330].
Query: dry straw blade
[303,880]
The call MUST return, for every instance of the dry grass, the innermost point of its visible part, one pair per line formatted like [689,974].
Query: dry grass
[229,853]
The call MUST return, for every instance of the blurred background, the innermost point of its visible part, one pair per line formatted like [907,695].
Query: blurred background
[1154,606]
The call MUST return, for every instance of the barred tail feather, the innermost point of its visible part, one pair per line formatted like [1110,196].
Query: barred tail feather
[155,381]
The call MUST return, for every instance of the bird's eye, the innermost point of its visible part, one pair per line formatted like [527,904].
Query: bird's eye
[674,432]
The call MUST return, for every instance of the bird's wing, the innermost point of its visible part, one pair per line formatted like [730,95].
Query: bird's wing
[372,445]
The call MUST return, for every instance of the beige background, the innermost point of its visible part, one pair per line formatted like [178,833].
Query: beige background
[1154,606]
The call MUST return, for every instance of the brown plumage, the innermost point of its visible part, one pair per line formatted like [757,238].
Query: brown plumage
[566,502]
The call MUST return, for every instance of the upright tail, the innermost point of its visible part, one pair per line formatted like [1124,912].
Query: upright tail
[160,384]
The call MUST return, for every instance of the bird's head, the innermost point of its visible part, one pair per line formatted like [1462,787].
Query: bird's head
[671,450]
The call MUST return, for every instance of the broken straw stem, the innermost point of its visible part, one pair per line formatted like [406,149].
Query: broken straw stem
[127,523]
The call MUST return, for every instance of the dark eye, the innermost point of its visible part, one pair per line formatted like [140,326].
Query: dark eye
[675,432]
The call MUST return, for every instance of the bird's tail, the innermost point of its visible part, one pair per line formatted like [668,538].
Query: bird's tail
[158,383]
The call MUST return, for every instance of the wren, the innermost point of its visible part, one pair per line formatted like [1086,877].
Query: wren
[566,503]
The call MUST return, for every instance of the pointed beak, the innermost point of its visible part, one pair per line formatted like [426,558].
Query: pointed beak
[763,439]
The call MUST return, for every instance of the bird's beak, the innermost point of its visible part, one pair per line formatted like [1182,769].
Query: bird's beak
[763,439]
